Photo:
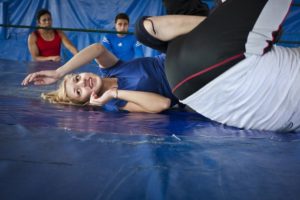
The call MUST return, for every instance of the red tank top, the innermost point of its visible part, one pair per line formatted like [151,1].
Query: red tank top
[48,48]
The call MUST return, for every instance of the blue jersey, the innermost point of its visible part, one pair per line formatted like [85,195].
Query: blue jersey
[125,48]
[143,74]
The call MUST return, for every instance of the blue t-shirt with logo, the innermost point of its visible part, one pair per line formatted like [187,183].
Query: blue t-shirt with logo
[125,48]
[142,74]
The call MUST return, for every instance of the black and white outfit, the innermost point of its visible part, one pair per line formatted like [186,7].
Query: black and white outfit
[184,7]
[228,69]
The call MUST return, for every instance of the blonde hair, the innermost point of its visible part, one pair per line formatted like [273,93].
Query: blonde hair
[60,96]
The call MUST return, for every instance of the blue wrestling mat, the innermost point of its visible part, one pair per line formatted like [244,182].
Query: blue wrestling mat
[62,152]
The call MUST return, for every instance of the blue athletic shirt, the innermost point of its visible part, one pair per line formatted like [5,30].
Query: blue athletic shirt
[125,48]
[142,74]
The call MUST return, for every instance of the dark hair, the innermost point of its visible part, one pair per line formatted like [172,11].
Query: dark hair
[42,12]
[121,16]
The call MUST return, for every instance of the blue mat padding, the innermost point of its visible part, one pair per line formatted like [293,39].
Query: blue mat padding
[63,152]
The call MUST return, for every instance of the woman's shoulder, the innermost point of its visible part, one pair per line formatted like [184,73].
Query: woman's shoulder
[33,35]
[59,32]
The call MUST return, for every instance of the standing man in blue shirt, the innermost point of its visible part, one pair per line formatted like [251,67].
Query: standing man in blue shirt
[123,46]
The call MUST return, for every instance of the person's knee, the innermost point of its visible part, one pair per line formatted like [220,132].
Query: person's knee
[146,34]
[149,27]
[98,47]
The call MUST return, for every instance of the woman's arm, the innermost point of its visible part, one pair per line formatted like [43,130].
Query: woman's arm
[95,51]
[144,101]
[34,51]
[137,101]
[67,43]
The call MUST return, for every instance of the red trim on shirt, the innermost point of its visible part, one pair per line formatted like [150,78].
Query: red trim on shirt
[207,70]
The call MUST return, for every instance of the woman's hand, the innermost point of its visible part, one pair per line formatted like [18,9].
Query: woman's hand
[137,101]
[55,58]
[45,77]
[104,98]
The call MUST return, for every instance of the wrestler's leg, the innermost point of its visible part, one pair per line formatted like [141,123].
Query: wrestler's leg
[166,28]
[155,32]
[186,7]
[219,42]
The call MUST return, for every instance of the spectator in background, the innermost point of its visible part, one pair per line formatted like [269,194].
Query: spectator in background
[45,44]
[122,45]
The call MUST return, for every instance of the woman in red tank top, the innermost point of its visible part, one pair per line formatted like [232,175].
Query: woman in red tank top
[45,44]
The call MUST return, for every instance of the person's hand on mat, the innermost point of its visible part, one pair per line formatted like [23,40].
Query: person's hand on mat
[45,77]
[104,98]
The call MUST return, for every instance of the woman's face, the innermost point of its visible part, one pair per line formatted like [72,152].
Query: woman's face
[79,87]
[45,21]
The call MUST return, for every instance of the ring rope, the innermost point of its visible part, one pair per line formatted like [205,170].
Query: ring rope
[64,29]
[102,31]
